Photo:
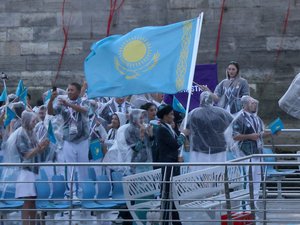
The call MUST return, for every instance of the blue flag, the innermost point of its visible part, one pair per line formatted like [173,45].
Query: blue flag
[177,106]
[145,60]
[20,88]
[23,96]
[276,126]
[48,96]
[9,115]
[3,96]
[96,149]
[21,92]
[51,135]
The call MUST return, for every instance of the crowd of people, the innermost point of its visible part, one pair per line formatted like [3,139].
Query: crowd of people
[139,128]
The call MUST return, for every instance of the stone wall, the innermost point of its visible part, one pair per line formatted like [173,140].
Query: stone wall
[31,39]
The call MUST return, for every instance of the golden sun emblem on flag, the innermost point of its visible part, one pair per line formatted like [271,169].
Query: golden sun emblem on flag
[135,57]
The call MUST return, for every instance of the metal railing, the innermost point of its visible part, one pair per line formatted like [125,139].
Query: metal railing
[268,209]
[278,202]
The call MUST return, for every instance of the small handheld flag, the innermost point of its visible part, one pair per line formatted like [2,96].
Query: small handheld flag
[51,135]
[3,96]
[20,88]
[276,126]
[96,149]
[21,92]
[177,106]
[9,116]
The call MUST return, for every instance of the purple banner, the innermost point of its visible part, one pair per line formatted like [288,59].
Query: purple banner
[206,74]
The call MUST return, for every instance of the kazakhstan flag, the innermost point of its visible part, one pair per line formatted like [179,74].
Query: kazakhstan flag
[9,116]
[96,149]
[145,60]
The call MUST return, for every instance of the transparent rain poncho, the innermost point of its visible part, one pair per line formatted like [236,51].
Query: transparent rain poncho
[290,101]
[230,92]
[18,144]
[41,131]
[129,146]
[207,125]
[111,135]
[239,125]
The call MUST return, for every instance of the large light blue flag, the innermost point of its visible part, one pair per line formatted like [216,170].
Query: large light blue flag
[3,96]
[145,60]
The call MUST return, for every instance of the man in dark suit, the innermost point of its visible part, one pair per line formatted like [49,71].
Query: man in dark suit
[168,144]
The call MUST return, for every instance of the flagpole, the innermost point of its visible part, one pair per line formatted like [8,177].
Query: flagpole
[193,65]
[192,70]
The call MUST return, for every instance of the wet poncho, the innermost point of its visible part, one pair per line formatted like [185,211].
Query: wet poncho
[245,123]
[230,92]
[76,124]
[111,135]
[129,146]
[140,146]
[290,101]
[207,125]
[22,141]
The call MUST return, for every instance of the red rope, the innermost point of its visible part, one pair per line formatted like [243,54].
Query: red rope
[219,31]
[113,9]
[285,24]
[66,34]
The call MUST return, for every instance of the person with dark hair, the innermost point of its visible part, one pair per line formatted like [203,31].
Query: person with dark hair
[151,109]
[168,144]
[75,129]
[112,106]
[39,102]
[118,120]
[18,108]
[229,91]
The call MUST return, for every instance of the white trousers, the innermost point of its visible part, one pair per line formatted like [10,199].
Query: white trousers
[203,157]
[256,176]
[76,152]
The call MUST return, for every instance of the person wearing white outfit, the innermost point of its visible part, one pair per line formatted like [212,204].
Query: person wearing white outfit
[247,131]
[75,130]
[23,146]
